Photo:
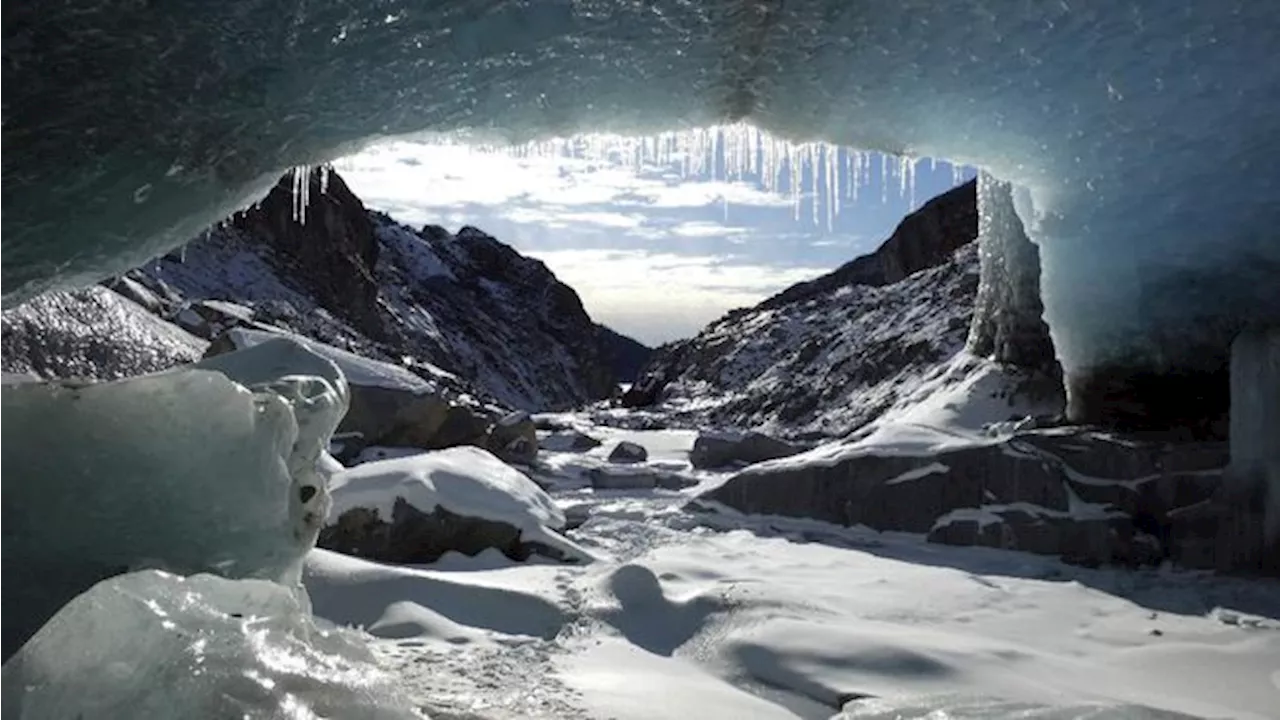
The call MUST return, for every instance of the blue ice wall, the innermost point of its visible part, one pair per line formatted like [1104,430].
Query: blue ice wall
[1143,134]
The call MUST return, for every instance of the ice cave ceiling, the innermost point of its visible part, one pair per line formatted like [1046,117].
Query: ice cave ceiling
[1142,134]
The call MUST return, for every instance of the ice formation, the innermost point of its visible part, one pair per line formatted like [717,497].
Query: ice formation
[217,467]
[150,644]
[1140,135]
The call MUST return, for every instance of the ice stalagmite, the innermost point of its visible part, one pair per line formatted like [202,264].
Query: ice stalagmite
[1007,324]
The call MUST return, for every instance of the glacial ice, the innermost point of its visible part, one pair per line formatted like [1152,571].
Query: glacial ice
[150,644]
[217,467]
[1142,133]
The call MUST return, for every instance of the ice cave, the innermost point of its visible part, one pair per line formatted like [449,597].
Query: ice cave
[1133,142]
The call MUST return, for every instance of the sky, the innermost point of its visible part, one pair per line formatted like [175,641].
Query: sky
[658,246]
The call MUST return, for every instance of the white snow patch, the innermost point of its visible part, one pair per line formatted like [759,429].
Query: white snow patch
[467,481]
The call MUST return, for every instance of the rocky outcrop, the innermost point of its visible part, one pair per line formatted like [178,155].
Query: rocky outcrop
[926,238]
[355,279]
[1091,497]
[91,334]
[514,439]
[413,536]
[627,356]
[824,357]
[628,452]
[716,450]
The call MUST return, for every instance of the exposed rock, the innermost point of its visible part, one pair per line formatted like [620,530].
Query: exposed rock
[644,392]
[413,536]
[628,452]
[637,478]
[823,358]
[626,355]
[395,417]
[91,334]
[569,441]
[1089,496]
[444,305]
[715,450]
[461,426]
[514,439]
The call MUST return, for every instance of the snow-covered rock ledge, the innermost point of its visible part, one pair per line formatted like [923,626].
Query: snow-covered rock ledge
[415,508]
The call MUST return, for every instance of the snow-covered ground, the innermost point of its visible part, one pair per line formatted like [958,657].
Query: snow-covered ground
[694,615]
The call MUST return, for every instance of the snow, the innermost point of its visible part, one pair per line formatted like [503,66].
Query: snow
[690,615]
[358,370]
[467,481]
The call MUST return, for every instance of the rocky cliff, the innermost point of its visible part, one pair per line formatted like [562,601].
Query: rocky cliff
[426,299]
[824,357]
[499,323]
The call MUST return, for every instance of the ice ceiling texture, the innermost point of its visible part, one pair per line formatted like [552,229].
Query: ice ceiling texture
[1142,133]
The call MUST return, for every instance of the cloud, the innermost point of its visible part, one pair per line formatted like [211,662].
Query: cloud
[657,296]
[652,253]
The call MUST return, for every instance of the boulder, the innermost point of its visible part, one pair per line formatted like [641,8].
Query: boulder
[643,393]
[1092,497]
[637,478]
[715,450]
[628,452]
[412,536]
[569,441]
[514,438]
[461,426]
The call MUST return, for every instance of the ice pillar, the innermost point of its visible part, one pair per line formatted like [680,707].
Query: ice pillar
[1249,532]
[1007,324]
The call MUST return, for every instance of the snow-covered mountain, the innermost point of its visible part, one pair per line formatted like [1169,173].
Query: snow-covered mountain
[354,278]
[824,357]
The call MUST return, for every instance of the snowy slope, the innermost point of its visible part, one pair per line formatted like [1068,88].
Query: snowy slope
[91,334]
[824,357]
[466,304]
[721,616]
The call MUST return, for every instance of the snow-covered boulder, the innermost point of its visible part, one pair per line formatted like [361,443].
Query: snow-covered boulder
[390,405]
[628,452]
[714,450]
[414,509]
[1086,495]
[514,438]
[150,645]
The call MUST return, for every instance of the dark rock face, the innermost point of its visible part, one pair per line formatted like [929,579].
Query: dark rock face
[824,357]
[627,356]
[628,452]
[715,450]
[413,536]
[926,238]
[514,439]
[92,334]
[465,310]
[1091,497]
[331,253]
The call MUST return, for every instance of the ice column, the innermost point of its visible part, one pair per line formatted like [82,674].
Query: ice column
[1007,324]
[1249,533]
